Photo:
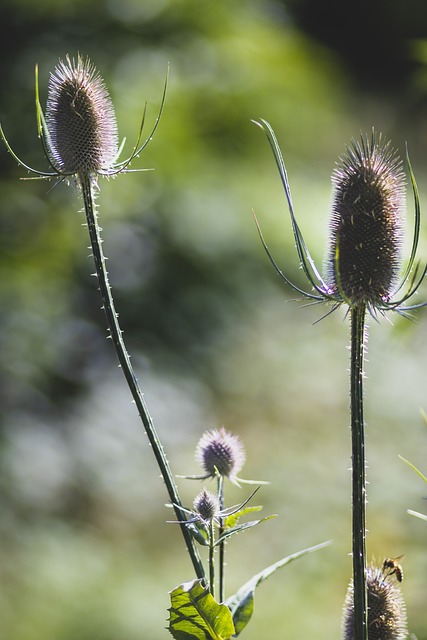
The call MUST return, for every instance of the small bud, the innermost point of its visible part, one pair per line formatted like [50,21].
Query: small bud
[220,452]
[206,505]
[366,227]
[386,607]
[80,119]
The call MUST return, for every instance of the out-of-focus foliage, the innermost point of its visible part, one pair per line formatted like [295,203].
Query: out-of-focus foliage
[83,537]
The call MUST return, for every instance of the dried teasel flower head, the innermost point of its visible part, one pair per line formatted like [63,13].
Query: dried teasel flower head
[220,453]
[366,223]
[80,119]
[386,607]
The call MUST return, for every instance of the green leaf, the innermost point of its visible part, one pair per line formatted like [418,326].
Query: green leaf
[422,476]
[200,532]
[195,615]
[242,603]
[241,527]
[232,520]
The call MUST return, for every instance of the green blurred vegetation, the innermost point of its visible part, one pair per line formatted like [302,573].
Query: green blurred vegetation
[83,533]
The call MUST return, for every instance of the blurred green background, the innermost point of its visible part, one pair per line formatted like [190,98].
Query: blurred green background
[85,550]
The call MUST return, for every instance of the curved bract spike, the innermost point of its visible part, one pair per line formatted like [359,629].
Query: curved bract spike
[328,313]
[39,111]
[413,287]
[417,224]
[42,130]
[305,258]
[42,174]
[319,298]
[138,148]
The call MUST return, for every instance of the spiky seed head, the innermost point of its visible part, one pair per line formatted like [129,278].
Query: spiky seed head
[206,504]
[219,451]
[366,223]
[80,119]
[386,607]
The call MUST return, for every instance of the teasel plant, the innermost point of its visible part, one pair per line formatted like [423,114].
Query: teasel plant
[199,613]
[221,455]
[79,137]
[362,273]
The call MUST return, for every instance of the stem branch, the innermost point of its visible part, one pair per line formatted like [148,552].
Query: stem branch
[124,360]
[211,558]
[221,597]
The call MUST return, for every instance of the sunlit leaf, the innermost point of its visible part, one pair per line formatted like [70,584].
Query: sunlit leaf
[195,615]
[231,521]
[241,604]
[241,527]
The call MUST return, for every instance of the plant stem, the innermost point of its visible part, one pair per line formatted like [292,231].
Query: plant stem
[126,366]
[222,544]
[358,315]
[211,558]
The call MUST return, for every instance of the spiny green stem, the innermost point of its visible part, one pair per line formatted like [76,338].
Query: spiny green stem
[124,360]
[358,315]
[211,558]
[222,544]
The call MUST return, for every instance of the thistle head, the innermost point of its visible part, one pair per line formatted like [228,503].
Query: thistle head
[366,232]
[366,224]
[220,453]
[386,607]
[206,505]
[80,120]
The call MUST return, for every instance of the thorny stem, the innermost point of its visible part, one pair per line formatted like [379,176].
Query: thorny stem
[358,315]
[211,558]
[222,544]
[124,360]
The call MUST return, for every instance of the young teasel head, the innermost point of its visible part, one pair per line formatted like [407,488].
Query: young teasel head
[366,224]
[366,231]
[220,453]
[386,607]
[206,505]
[79,130]
[80,119]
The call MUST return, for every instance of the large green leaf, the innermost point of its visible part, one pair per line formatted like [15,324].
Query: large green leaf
[195,615]
[242,603]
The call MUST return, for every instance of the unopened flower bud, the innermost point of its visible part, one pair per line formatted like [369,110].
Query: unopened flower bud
[220,452]
[366,226]
[80,119]
[206,505]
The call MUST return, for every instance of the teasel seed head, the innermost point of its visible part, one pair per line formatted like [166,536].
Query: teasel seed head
[80,119]
[206,505]
[386,607]
[366,224]
[220,452]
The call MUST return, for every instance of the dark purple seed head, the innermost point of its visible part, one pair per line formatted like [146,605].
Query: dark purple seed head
[366,223]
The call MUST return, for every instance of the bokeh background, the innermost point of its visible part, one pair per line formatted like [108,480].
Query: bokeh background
[85,550]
